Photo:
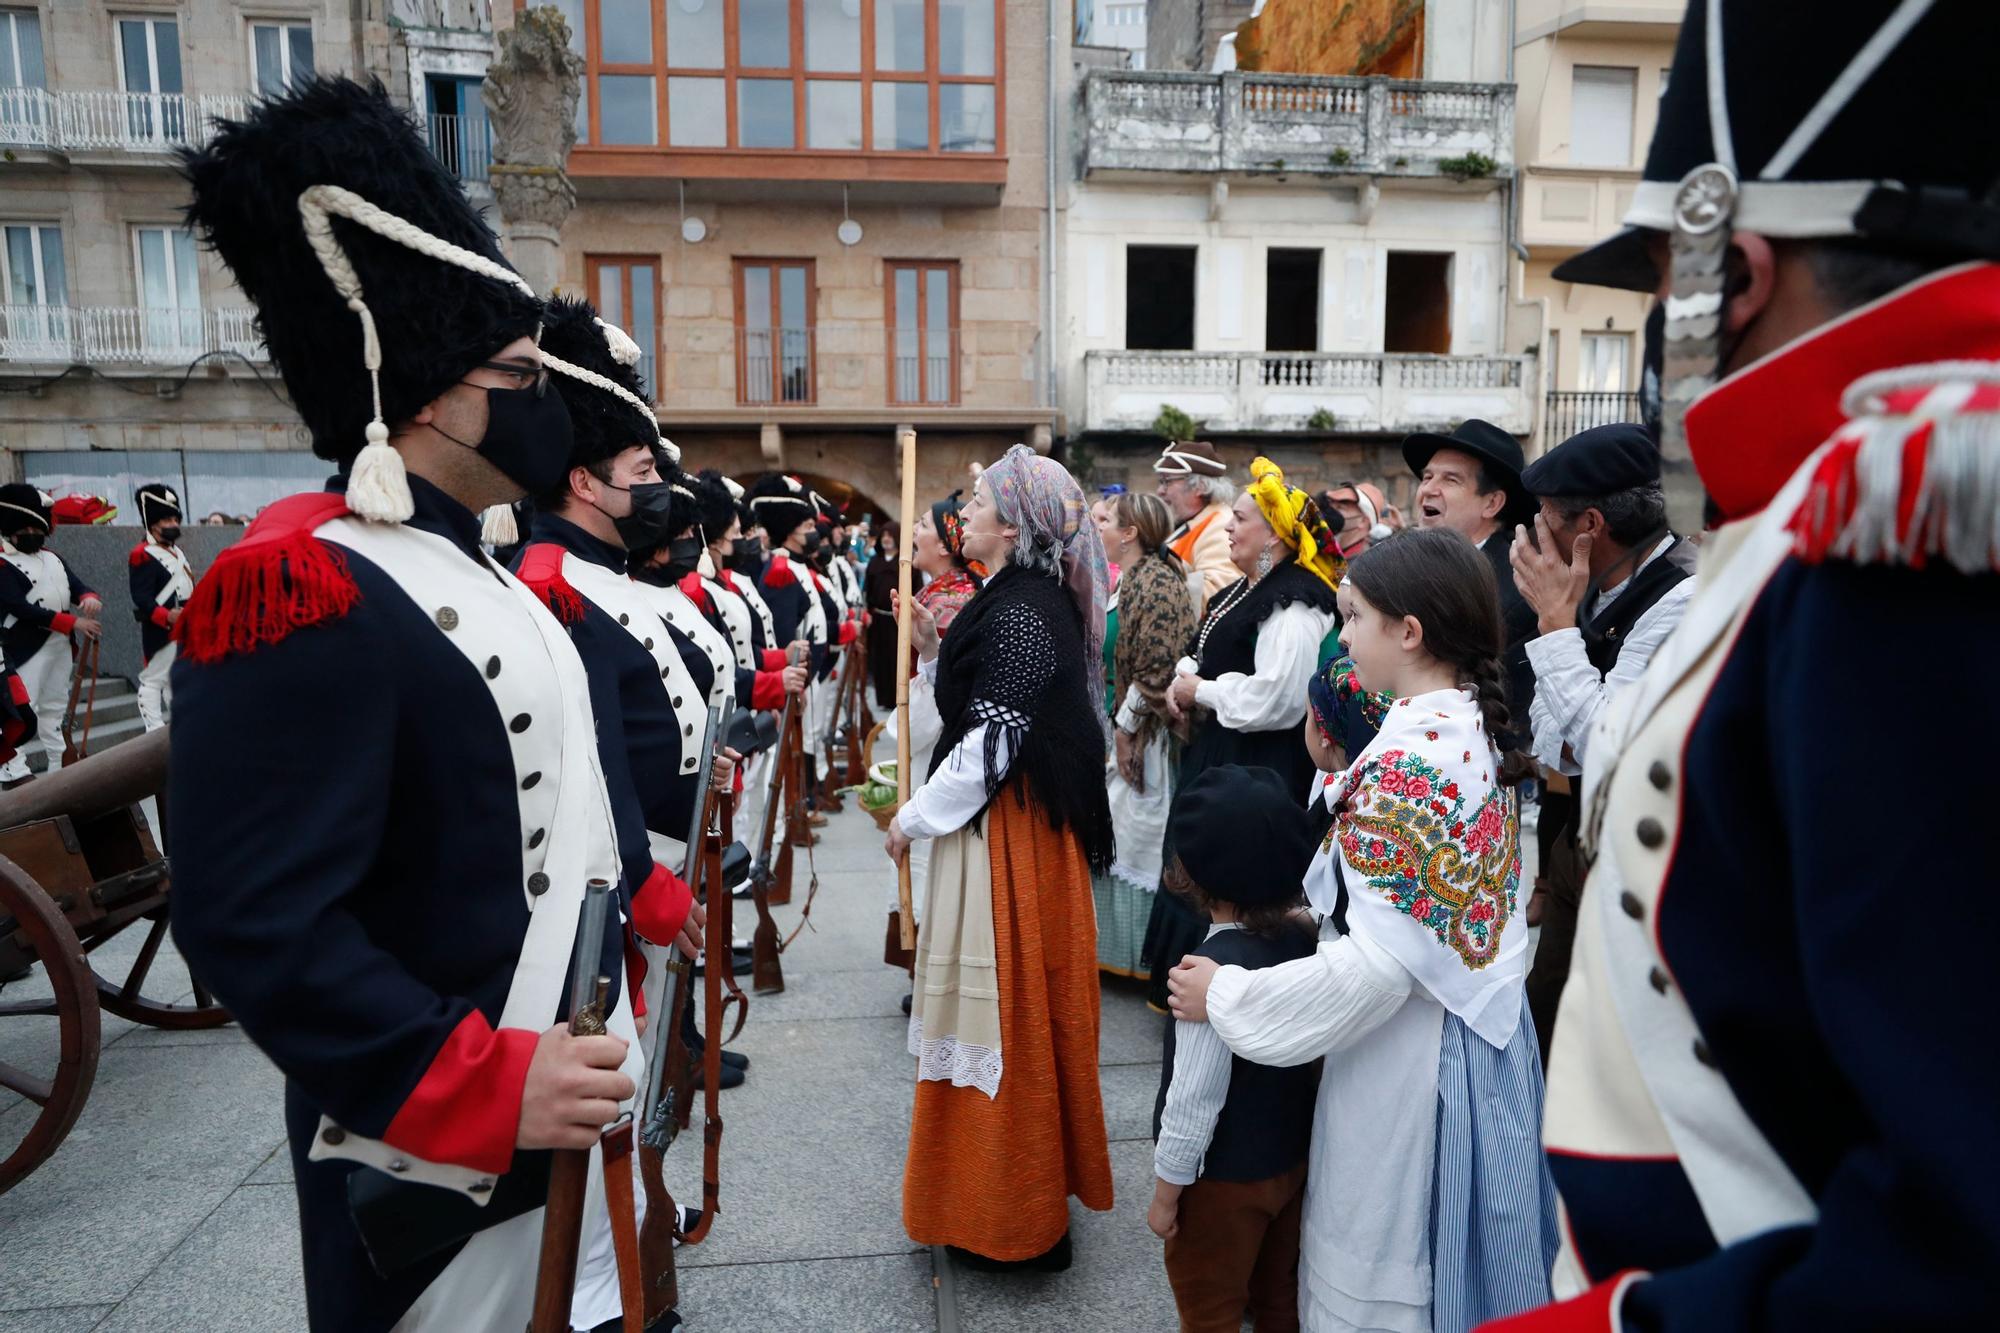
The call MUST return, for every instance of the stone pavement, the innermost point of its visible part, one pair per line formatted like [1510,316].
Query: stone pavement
[170,1206]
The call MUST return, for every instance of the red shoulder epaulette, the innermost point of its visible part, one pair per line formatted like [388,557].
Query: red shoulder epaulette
[277,579]
[690,586]
[541,570]
[780,574]
[138,556]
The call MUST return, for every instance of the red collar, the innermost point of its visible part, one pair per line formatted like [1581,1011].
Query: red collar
[1751,432]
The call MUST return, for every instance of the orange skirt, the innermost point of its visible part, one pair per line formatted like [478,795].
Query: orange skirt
[994,1175]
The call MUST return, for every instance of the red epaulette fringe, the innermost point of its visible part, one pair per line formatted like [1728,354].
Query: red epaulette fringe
[781,573]
[279,578]
[1905,492]
[690,586]
[541,570]
[138,556]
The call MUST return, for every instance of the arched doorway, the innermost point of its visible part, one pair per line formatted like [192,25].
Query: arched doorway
[856,503]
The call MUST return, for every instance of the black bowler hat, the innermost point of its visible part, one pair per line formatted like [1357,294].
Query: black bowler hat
[1603,460]
[1241,835]
[1852,140]
[1486,442]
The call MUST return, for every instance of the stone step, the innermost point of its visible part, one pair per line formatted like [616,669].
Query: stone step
[104,733]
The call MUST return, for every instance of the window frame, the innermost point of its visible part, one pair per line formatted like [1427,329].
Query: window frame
[13,14]
[252,22]
[181,317]
[950,268]
[1588,365]
[594,264]
[1577,75]
[737,265]
[731,72]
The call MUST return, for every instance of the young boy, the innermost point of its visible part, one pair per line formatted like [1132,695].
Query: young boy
[1232,1136]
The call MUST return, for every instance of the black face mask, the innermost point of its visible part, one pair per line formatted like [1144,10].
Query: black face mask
[652,503]
[684,556]
[527,437]
[170,534]
[29,542]
[748,557]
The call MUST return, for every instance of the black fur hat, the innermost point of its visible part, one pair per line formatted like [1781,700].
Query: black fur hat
[779,504]
[603,424]
[434,319]
[715,504]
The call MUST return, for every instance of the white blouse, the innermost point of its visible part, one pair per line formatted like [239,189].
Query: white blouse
[954,794]
[1274,697]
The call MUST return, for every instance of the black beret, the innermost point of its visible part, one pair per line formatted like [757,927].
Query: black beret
[1241,835]
[1603,460]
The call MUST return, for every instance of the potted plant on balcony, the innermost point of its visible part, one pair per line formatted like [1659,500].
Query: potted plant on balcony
[1175,426]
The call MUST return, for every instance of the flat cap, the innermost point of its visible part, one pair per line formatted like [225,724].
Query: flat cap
[1603,460]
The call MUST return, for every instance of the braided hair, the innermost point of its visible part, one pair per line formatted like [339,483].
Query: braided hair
[1438,576]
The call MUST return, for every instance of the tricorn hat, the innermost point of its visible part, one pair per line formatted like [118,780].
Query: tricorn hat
[377,286]
[1190,458]
[1486,442]
[1851,141]
[157,500]
[715,504]
[780,503]
[22,505]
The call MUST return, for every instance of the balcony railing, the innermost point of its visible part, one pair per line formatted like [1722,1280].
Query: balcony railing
[124,335]
[1360,392]
[114,122]
[1138,120]
[1567,412]
[464,144]
[784,365]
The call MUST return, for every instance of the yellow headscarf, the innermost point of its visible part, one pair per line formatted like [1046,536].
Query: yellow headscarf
[1297,521]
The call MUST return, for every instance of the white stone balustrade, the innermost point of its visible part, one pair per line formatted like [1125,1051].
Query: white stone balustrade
[60,335]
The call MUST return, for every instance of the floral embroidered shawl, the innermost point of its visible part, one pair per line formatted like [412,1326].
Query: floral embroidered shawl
[1431,850]
[1155,623]
[946,595]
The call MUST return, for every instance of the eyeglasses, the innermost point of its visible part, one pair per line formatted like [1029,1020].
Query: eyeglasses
[519,376]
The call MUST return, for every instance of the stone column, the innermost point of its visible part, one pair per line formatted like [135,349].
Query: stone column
[531,92]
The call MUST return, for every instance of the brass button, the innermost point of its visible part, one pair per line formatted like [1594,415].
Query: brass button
[1659,980]
[447,618]
[492,667]
[1703,1054]
[538,884]
[520,723]
[624,619]
[1633,908]
[333,1136]
[1651,832]
[398,1165]
[1659,776]
[535,838]
[531,779]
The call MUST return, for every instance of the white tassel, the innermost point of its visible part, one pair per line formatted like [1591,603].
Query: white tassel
[671,450]
[735,487]
[497,527]
[619,343]
[378,489]
[706,565]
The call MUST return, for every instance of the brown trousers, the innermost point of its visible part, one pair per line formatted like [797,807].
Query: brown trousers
[1237,1249]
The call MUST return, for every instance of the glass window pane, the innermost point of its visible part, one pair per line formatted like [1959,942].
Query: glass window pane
[641,328]
[625,32]
[902,115]
[611,293]
[55,274]
[583,112]
[270,72]
[22,285]
[764,34]
[300,36]
[833,113]
[155,291]
[756,296]
[908,370]
[187,287]
[167,51]
[899,35]
[626,113]
[965,117]
[937,335]
[833,35]
[792,297]
[697,113]
[764,113]
[132,47]
[965,36]
[694,34]
[7,79]
[28,45]
[906,298]
[572,12]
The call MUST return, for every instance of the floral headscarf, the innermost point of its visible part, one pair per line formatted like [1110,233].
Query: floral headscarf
[1037,496]
[1296,519]
[950,525]
[1347,714]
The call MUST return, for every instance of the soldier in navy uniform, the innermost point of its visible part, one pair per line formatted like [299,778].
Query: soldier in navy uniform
[1770,1094]
[41,602]
[386,803]
[162,580]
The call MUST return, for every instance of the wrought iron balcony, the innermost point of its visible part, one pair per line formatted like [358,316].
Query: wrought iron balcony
[72,123]
[1566,412]
[1366,393]
[61,335]
[464,144]
[1293,124]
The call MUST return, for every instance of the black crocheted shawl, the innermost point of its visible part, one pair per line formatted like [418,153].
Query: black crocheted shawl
[1014,660]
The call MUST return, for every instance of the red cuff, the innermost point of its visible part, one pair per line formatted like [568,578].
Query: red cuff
[767,691]
[635,975]
[466,1110]
[848,631]
[159,617]
[1596,1311]
[660,907]
[774,660]
[62,622]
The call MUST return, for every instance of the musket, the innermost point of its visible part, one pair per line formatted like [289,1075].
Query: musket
[857,759]
[569,1168]
[767,976]
[717,966]
[76,747]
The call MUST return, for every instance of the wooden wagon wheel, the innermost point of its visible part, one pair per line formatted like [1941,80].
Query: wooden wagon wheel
[128,999]
[25,911]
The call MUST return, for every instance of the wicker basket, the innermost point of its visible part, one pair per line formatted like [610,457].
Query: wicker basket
[883,814]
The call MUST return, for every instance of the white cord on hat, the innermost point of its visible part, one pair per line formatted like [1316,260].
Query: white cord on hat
[617,390]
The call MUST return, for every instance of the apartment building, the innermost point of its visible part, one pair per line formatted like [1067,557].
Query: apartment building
[1115,25]
[1590,77]
[1307,265]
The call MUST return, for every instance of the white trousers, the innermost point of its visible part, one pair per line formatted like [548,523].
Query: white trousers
[46,678]
[156,692]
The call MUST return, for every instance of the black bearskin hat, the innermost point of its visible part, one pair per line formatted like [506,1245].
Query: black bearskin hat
[603,424]
[24,506]
[435,320]
[780,503]
[715,504]
[157,500]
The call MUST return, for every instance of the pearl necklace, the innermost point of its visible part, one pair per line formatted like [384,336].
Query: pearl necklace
[1215,615]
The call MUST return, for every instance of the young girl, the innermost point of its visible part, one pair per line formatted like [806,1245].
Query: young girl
[1427,1203]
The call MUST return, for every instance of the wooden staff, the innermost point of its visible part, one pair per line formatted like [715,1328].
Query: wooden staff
[906,441]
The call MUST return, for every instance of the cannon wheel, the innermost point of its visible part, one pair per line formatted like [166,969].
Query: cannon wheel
[74,1006]
[128,999]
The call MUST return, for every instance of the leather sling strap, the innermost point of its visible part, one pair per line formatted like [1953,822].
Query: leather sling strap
[617,1147]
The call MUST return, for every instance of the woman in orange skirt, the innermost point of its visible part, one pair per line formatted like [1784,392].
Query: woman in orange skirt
[1009,1119]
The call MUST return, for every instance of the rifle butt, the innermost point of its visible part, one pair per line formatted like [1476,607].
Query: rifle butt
[656,1239]
[562,1230]
[767,973]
